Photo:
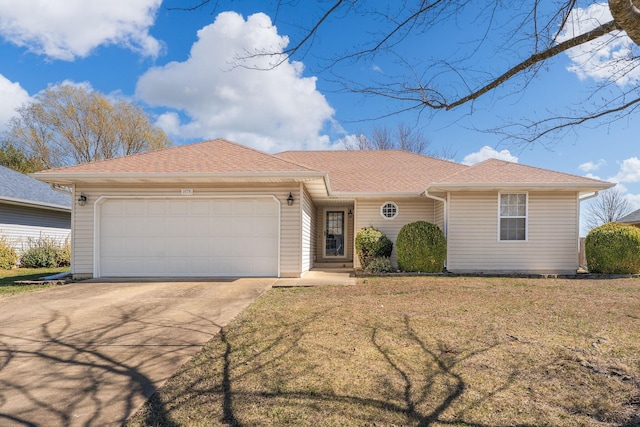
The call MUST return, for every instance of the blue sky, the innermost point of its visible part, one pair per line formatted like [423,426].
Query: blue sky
[182,68]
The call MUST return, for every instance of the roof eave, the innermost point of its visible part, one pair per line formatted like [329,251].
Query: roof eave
[168,177]
[33,203]
[376,194]
[547,186]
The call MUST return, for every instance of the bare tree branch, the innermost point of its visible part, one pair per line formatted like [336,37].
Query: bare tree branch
[609,206]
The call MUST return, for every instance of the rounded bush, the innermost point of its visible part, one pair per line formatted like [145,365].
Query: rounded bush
[372,243]
[8,255]
[421,247]
[613,248]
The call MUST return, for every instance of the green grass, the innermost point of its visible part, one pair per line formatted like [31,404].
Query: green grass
[7,277]
[416,352]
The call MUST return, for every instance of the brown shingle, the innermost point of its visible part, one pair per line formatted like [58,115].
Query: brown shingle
[216,156]
[375,170]
[494,171]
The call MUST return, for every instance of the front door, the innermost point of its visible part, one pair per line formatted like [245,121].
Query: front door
[334,234]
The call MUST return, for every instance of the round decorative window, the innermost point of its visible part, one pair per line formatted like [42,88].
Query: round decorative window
[389,210]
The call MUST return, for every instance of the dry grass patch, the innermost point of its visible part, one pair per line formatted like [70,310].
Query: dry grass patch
[419,351]
[7,277]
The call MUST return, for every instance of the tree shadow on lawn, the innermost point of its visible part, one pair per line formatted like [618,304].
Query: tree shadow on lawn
[213,395]
[64,375]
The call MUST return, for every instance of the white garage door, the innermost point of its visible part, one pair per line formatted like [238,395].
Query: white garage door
[192,237]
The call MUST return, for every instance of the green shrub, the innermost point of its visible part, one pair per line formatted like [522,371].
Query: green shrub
[63,256]
[421,246]
[8,255]
[378,265]
[370,244]
[45,252]
[613,248]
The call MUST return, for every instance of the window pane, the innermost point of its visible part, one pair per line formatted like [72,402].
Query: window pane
[512,229]
[513,205]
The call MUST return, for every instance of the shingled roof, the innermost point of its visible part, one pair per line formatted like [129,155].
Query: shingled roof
[345,173]
[632,218]
[215,156]
[500,173]
[372,171]
[22,189]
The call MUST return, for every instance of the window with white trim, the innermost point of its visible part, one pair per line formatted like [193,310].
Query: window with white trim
[389,210]
[513,216]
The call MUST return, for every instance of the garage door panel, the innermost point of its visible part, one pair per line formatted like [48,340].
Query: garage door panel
[132,208]
[199,226]
[213,237]
[201,207]
[244,226]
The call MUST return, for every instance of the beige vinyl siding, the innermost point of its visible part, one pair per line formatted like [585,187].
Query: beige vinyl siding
[552,235]
[409,210]
[308,231]
[290,217]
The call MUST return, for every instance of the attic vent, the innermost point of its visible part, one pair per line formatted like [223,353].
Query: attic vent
[389,210]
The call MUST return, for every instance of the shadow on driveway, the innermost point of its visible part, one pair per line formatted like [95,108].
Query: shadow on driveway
[90,353]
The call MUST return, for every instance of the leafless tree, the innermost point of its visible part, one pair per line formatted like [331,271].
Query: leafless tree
[609,206]
[522,38]
[403,137]
[67,125]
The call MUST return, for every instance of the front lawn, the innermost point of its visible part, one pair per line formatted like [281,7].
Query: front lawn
[7,277]
[419,351]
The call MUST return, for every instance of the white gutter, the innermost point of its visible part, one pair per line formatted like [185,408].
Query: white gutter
[445,217]
[43,205]
[580,200]
[471,186]
[590,196]
[165,176]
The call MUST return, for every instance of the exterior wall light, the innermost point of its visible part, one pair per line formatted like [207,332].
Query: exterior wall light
[290,199]
[82,199]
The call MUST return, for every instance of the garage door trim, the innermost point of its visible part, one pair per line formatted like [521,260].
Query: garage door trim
[102,199]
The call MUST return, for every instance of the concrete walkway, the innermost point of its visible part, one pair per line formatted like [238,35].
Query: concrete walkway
[90,353]
[320,277]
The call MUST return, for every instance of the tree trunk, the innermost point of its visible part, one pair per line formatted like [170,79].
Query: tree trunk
[627,14]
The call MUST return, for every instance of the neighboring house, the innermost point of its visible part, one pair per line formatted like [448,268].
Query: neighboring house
[31,209]
[633,218]
[217,208]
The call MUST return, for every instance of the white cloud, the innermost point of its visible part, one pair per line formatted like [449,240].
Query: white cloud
[12,96]
[609,57]
[487,152]
[629,171]
[634,200]
[241,98]
[66,29]
[591,166]
[592,176]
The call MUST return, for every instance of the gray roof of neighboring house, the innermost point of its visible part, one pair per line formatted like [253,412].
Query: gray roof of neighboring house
[19,188]
[632,218]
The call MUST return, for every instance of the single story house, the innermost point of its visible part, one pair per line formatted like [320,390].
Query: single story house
[218,208]
[633,218]
[30,209]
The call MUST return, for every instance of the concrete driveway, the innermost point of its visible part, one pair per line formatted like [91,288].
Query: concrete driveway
[90,353]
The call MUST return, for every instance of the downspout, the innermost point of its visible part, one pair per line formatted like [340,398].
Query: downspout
[580,200]
[444,219]
[590,196]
